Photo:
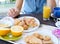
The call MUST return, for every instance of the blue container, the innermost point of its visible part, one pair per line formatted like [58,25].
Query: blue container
[56,12]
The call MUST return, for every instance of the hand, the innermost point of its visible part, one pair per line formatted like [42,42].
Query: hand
[13,12]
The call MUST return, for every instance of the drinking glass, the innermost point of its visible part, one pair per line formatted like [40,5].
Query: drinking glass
[46,12]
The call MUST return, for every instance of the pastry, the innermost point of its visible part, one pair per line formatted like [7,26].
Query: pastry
[30,21]
[27,39]
[16,21]
[25,27]
[21,23]
[25,23]
[33,40]
[47,38]
[47,42]
[38,36]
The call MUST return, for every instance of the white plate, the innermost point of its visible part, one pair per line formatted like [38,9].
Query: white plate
[44,33]
[7,20]
[31,29]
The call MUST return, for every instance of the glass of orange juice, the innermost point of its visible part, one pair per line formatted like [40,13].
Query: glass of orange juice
[46,12]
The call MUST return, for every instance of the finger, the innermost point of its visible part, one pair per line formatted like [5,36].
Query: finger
[10,14]
[12,11]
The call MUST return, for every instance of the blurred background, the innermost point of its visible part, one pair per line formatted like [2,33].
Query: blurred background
[5,5]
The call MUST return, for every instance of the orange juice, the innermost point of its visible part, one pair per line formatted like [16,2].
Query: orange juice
[46,12]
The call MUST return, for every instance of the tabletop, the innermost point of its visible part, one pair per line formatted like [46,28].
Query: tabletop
[40,18]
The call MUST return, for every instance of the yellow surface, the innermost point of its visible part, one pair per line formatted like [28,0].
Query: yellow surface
[16,30]
[46,12]
[4,31]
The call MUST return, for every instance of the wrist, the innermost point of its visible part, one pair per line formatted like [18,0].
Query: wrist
[17,9]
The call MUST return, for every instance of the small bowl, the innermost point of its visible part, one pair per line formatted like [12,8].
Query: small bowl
[7,22]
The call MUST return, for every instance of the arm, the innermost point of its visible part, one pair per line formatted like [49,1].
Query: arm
[13,12]
[19,4]
[51,3]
